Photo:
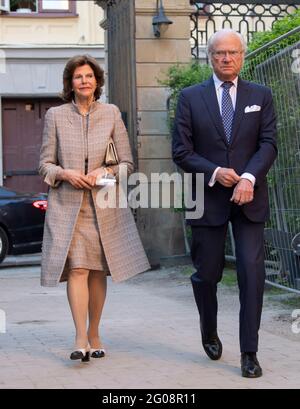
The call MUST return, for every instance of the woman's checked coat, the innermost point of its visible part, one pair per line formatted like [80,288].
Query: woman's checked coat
[63,148]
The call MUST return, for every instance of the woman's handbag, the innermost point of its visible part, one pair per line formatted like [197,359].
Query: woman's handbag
[111,156]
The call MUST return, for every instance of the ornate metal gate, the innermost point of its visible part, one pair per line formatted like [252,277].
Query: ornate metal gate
[121,62]
[247,17]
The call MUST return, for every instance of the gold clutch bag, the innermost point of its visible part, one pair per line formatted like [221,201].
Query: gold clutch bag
[111,156]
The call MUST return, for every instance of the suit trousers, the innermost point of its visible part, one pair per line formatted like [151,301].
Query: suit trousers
[208,256]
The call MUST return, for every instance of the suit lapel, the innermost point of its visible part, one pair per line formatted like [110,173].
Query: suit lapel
[241,102]
[211,102]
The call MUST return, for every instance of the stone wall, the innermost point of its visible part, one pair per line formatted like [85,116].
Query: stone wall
[161,229]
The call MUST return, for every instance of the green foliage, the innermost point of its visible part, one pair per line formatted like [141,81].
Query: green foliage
[229,278]
[187,270]
[260,39]
[182,76]
[279,28]
[291,301]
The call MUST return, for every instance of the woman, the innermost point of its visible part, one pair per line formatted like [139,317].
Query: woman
[82,242]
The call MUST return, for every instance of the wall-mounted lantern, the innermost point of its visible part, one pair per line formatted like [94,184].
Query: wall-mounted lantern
[160,21]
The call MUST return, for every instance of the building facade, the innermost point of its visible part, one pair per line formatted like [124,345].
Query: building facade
[37,37]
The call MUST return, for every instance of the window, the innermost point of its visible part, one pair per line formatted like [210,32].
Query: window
[54,5]
[23,6]
[4,5]
[38,7]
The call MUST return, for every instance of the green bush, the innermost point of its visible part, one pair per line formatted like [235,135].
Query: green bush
[182,76]
[279,28]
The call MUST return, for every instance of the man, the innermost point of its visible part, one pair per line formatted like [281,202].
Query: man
[226,129]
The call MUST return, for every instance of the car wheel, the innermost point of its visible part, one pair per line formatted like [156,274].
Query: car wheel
[3,244]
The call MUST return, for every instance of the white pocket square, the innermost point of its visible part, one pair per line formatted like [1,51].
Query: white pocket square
[252,108]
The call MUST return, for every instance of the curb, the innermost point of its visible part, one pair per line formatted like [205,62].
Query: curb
[22,260]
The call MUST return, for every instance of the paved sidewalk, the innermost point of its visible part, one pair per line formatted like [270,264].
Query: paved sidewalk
[151,332]
[22,260]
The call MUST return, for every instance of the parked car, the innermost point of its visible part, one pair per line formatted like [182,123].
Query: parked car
[22,218]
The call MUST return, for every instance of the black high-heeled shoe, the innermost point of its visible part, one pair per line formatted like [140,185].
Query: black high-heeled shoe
[82,354]
[97,353]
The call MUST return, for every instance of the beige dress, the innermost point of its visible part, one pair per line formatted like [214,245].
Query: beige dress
[86,250]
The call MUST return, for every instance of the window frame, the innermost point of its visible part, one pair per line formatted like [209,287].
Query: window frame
[40,13]
[72,8]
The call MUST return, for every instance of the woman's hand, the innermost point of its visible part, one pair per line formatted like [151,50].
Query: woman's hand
[76,179]
[98,173]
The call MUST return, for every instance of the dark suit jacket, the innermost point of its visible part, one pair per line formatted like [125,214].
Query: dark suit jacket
[199,145]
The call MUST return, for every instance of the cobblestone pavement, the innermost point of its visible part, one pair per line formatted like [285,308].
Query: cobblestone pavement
[150,330]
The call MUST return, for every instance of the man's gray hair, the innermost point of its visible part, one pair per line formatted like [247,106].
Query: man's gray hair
[219,34]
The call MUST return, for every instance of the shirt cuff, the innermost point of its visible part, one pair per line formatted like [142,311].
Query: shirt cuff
[50,177]
[213,178]
[250,177]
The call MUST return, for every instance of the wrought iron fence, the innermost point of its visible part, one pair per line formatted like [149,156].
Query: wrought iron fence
[277,65]
[244,18]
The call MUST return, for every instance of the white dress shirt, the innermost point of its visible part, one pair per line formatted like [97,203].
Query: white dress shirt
[233,93]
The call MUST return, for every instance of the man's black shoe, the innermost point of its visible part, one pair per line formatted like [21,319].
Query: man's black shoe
[212,346]
[250,365]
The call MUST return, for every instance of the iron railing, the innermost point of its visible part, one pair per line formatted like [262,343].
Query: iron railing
[247,19]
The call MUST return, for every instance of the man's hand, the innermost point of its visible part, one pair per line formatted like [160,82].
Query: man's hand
[76,179]
[227,177]
[243,192]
